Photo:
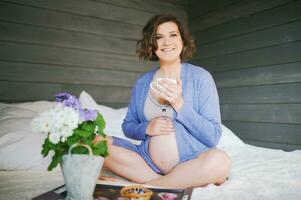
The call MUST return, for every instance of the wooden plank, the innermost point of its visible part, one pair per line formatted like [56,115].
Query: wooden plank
[101,94]
[155,6]
[269,113]
[277,35]
[286,53]
[282,93]
[197,9]
[241,9]
[62,38]
[274,74]
[11,71]
[29,91]
[67,21]
[94,9]
[70,57]
[267,132]
[259,21]
[114,105]
[21,91]
[271,145]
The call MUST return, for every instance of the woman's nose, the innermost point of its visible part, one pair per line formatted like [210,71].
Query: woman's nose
[166,41]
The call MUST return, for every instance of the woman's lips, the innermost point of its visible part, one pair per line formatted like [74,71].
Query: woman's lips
[168,49]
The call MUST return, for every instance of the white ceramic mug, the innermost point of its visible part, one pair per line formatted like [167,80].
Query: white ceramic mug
[156,84]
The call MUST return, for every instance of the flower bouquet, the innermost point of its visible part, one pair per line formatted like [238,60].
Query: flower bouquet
[68,123]
[71,132]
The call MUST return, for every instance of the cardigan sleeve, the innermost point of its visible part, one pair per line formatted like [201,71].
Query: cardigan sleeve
[205,124]
[132,127]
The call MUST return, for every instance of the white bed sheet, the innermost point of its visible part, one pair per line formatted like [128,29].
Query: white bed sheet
[257,173]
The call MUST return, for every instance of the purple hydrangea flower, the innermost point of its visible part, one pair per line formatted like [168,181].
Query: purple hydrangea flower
[68,100]
[87,115]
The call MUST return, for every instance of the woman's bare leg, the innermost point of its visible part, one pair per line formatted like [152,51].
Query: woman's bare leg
[212,166]
[128,164]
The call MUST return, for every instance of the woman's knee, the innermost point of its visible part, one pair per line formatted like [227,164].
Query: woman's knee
[218,161]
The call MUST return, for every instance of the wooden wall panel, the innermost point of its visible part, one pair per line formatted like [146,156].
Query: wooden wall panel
[252,50]
[262,75]
[265,94]
[267,132]
[55,45]
[271,55]
[225,12]
[274,36]
[272,17]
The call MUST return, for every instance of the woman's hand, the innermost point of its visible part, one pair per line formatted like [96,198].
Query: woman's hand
[172,93]
[160,126]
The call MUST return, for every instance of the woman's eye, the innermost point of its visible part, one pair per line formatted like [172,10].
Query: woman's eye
[173,35]
[158,37]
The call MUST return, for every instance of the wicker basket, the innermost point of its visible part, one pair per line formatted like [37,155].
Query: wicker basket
[136,192]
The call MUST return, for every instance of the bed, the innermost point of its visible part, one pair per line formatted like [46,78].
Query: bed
[257,173]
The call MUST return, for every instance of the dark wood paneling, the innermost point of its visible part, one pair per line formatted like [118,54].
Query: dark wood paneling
[252,49]
[29,15]
[268,37]
[272,113]
[259,21]
[11,71]
[21,52]
[177,7]
[105,94]
[94,9]
[63,38]
[197,9]
[275,74]
[282,93]
[29,91]
[22,91]
[237,10]
[277,133]
[51,46]
[285,53]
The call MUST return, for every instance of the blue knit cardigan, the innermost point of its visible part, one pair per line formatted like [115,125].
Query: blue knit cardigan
[197,123]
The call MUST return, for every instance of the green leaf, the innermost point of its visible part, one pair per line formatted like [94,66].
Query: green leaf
[73,139]
[100,122]
[101,149]
[56,159]
[47,146]
[88,126]
[81,133]
[89,140]
[80,150]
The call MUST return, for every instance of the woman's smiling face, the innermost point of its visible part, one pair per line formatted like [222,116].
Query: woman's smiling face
[169,42]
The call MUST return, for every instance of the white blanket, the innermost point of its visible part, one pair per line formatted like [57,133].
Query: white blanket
[257,173]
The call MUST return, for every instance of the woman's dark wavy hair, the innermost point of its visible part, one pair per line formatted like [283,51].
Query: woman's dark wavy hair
[147,46]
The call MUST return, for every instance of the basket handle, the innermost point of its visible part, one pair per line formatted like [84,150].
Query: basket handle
[80,144]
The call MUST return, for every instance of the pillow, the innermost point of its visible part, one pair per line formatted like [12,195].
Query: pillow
[20,149]
[37,106]
[113,117]
[228,139]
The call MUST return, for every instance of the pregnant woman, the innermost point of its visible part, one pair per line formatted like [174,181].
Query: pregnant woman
[174,111]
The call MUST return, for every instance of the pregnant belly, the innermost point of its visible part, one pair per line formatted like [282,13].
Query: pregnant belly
[163,151]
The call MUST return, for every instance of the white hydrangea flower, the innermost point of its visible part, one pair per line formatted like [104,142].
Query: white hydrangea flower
[54,138]
[66,132]
[59,122]
[42,123]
